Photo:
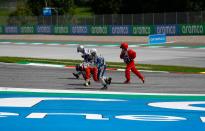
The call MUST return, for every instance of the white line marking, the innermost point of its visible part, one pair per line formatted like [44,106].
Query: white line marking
[180,47]
[155,46]
[120,69]
[31,101]
[36,115]
[200,48]
[53,44]
[187,105]
[110,45]
[90,92]
[90,45]
[37,43]
[45,65]
[134,45]
[170,42]
[154,71]
[202,119]
[6,42]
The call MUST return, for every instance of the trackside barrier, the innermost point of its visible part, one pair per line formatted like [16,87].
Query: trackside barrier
[80,30]
[167,29]
[61,30]
[142,30]
[11,29]
[44,29]
[192,29]
[27,29]
[121,30]
[99,30]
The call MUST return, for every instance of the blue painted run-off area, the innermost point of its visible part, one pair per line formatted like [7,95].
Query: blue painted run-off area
[78,113]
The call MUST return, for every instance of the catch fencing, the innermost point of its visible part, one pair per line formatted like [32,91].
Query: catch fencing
[113,19]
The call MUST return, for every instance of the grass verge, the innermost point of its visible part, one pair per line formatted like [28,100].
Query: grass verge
[181,69]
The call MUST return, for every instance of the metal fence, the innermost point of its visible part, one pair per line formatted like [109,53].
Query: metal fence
[114,19]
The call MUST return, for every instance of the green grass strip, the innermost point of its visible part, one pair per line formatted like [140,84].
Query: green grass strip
[182,69]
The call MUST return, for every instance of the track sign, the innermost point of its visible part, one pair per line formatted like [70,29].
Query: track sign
[47,11]
[157,39]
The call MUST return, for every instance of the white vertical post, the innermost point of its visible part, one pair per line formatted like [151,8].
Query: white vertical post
[201,17]
[187,17]
[176,17]
[94,20]
[165,18]
[112,19]
[103,20]
[132,19]
[122,19]
[153,18]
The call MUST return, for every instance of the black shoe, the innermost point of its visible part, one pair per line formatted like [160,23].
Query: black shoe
[143,81]
[104,87]
[87,83]
[109,80]
[76,75]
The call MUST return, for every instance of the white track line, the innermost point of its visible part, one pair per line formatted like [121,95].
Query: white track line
[90,92]
[45,65]
[6,42]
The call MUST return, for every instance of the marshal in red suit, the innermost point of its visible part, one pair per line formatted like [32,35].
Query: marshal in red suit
[128,56]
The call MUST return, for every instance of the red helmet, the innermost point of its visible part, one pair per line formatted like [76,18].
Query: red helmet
[124,45]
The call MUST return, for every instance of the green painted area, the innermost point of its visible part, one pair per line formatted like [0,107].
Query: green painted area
[24,60]
[117,96]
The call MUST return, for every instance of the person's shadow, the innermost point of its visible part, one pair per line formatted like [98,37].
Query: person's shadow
[81,87]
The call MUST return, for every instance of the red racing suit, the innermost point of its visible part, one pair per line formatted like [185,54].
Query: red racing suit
[129,60]
[89,69]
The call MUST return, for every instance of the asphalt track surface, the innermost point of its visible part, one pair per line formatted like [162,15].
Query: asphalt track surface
[161,56]
[31,77]
[54,78]
[24,76]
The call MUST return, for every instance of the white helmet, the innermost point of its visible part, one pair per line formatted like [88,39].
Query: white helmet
[80,48]
[93,51]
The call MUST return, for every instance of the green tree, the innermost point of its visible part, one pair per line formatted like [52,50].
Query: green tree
[145,6]
[106,6]
[196,5]
[17,17]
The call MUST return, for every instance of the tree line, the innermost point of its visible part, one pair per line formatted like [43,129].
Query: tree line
[34,7]
[145,6]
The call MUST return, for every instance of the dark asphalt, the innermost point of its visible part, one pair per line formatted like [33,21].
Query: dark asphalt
[22,76]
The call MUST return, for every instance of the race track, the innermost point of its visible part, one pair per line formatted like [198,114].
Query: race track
[34,98]
[23,76]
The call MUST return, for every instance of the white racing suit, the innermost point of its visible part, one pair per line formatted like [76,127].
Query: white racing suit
[101,66]
[87,58]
